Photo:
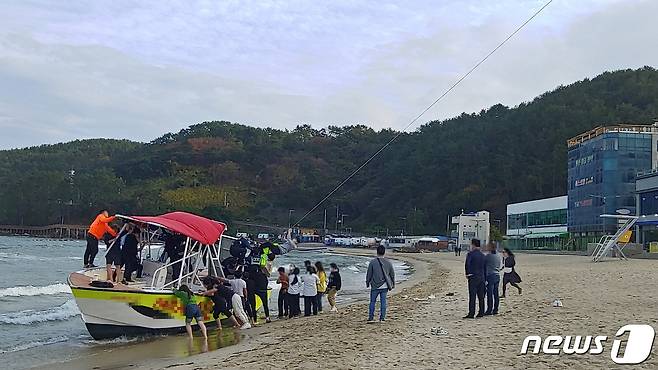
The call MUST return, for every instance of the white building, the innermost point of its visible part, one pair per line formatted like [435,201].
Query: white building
[472,226]
[537,224]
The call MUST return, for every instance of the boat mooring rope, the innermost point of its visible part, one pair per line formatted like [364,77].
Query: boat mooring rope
[445,93]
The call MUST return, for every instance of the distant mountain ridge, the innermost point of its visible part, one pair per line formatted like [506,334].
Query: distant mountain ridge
[231,171]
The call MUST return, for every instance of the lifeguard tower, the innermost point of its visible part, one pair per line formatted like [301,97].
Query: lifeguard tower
[615,243]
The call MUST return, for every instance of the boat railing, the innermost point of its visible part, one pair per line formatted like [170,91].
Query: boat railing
[163,269]
[193,261]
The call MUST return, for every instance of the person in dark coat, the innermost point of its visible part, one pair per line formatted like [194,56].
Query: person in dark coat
[509,273]
[257,287]
[129,251]
[475,273]
[174,246]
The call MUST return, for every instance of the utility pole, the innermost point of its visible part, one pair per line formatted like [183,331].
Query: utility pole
[448,226]
[290,211]
[324,228]
[413,222]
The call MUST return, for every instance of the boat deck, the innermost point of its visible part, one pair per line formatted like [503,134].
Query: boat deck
[83,279]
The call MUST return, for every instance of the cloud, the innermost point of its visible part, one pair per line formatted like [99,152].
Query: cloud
[137,70]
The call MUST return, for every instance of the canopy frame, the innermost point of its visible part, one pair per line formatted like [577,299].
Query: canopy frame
[199,260]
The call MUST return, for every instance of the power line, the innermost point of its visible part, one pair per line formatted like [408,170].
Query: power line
[445,93]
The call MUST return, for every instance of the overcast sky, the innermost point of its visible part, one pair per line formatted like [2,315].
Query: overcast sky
[138,69]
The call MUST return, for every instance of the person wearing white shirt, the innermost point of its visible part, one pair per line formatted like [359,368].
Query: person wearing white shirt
[294,289]
[310,291]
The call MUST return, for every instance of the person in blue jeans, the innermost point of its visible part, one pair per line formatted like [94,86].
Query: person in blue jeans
[475,273]
[380,278]
[492,265]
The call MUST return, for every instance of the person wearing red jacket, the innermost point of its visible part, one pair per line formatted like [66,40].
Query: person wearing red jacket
[97,229]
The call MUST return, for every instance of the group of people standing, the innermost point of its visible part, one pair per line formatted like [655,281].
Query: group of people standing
[483,274]
[226,301]
[235,298]
[121,258]
[311,286]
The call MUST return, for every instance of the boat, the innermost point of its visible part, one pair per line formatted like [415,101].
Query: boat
[148,306]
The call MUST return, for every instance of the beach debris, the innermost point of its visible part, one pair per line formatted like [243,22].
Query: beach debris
[180,364]
[438,331]
[450,294]
[557,303]
[421,299]
[405,296]
[431,296]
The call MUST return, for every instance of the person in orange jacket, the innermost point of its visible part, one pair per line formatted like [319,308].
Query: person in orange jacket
[97,229]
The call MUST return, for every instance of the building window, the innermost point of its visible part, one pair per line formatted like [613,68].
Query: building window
[649,203]
[554,217]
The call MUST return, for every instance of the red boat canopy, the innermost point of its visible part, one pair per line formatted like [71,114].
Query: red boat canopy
[199,228]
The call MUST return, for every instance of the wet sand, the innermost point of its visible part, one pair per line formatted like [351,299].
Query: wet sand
[598,299]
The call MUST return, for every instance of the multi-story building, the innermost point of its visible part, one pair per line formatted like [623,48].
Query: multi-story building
[603,164]
[646,187]
[537,224]
[473,225]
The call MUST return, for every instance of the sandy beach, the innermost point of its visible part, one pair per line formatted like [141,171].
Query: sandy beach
[598,299]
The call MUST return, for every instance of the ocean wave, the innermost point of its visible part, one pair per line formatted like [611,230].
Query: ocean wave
[38,343]
[119,340]
[26,317]
[29,290]
[19,256]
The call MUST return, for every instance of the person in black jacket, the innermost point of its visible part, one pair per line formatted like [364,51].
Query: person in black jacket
[129,257]
[475,273]
[258,288]
[333,286]
[174,246]
[509,273]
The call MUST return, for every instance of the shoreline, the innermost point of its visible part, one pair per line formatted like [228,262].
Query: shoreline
[238,341]
[435,296]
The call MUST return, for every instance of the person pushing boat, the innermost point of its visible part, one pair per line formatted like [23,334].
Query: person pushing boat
[97,229]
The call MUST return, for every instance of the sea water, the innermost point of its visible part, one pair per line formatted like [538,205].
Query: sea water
[40,320]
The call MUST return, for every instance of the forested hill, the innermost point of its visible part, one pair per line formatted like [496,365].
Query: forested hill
[231,171]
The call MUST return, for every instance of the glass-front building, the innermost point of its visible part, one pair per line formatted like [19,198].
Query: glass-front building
[603,164]
[537,224]
[646,186]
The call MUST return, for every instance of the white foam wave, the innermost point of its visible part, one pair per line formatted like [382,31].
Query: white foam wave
[119,340]
[18,256]
[38,343]
[352,268]
[29,290]
[26,317]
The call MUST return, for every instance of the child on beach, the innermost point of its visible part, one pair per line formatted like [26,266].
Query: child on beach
[283,300]
[192,310]
[333,286]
